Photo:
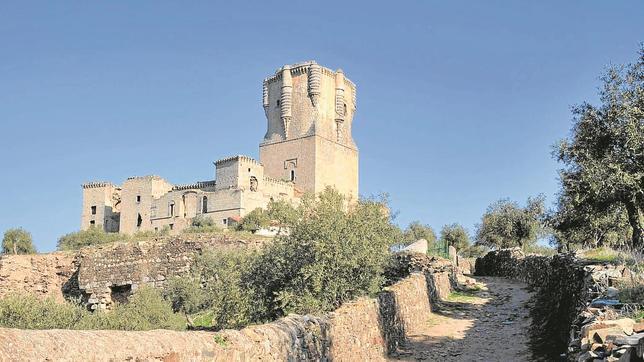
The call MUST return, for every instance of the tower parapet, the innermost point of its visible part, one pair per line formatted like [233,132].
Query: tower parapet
[309,110]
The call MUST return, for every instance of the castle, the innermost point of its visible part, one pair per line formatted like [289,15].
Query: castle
[308,146]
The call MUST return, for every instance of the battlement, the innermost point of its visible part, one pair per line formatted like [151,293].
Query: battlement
[97,184]
[195,186]
[146,177]
[303,68]
[237,158]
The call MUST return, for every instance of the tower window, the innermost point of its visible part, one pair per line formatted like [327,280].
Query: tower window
[93,208]
[224,221]
[138,198]
[92,222]
[278,102]
[204,204]
[292,175]
[171,226]
[139,221]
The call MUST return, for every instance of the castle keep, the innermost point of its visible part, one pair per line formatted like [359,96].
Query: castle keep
[308,146]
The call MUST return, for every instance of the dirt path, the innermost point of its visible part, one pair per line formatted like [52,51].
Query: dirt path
[487,321]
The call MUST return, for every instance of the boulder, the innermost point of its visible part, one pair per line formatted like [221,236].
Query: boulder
[419,246]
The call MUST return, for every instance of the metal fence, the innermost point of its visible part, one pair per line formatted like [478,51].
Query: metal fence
[439,248]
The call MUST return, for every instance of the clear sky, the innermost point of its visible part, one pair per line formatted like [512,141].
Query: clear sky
[459,102]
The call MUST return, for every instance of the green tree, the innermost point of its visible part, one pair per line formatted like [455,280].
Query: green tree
[416,231]
[254,220]
[583,226]
[333,254]
[17,241]
[456,236]
[283,212]
[604,156]
[505,224]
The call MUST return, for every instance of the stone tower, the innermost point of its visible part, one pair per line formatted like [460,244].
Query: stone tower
[310,110]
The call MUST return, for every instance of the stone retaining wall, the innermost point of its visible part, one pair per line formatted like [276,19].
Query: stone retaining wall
[366,329]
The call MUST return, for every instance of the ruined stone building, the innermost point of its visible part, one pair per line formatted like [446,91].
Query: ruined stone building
[308,145]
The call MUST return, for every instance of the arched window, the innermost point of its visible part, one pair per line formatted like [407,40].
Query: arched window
[204,204]
[171,208]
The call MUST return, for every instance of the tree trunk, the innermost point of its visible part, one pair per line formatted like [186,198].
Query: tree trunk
[15,249]
[635,219]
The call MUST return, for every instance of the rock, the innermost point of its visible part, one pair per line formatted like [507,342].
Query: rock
[632,340]
[638,327]
[600,302]
[419,246]
[621,326]
[612,292]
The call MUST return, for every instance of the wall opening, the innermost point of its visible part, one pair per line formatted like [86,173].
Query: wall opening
[292,175]
[139,221]
[138,198]
[204,204]
[120,293]
[93,208]
[171,208]
[253,183]
[92,222]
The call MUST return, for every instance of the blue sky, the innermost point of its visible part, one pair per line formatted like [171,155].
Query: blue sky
[459,102]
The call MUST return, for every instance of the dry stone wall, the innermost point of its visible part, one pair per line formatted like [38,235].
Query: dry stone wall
[573,298]
[366,329]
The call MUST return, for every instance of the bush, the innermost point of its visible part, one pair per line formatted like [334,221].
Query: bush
[146,310]
[91,236]
[254,220]
[202,224]
[29,312]
[214,291]
[17,241]
[331,256]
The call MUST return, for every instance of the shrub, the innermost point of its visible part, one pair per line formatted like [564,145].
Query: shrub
[331,256]
[214,290]
[91,236]
[254,220]
[17,241]
[202,224]
[28,312]
[146,310]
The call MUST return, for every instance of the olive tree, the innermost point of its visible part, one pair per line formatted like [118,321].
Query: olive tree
[506,224]
[17,241]
[604,156]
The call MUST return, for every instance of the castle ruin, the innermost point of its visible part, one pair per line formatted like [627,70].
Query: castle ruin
[308,146]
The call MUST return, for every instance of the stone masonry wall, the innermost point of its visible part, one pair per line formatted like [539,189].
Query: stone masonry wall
[366,329]
[110,273]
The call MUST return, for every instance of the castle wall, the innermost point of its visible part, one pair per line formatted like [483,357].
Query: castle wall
[336,165]
[100,206]
[137,198]
[297,155]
